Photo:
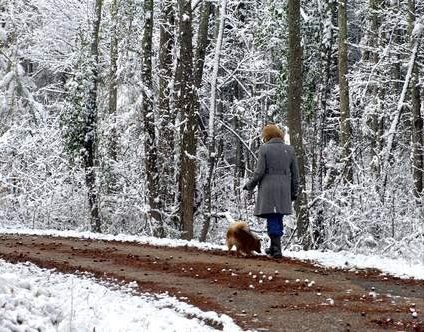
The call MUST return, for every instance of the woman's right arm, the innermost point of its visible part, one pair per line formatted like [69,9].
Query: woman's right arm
[259,171]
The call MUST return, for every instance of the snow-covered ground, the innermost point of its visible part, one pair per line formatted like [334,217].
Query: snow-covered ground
[396,267]
[34,299]
[392,266]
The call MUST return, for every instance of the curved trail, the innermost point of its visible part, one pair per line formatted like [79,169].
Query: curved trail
[291,296]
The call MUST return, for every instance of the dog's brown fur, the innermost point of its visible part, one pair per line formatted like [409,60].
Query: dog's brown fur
[239,235]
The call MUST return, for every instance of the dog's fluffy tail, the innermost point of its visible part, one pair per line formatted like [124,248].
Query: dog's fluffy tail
[243,234]
[239,234]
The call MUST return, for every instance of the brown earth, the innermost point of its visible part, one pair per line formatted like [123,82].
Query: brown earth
[257,292]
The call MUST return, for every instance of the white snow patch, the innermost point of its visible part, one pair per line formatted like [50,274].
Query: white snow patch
[34,299]
[304,15]
[396,267]
[3,35]
[190,156]
[418,30]
[186,18]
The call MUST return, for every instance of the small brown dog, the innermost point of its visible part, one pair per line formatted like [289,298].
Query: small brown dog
[239,235]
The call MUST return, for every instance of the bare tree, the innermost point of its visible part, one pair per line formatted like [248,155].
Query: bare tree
[325,133]
[199,59]
[202,42]
[212,113]
[416,118]
[345,121]
[391,133]
[185,105]
[90,140]
[294,95]
[150,149]
[377,91]
[111,137]
[167,116]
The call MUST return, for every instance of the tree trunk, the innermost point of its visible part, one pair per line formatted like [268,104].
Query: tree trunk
[294,95]
[202,45]
[345,122]
[376,117]
[185,105]
[212,111]
[239,163]
[149,122]
[113,86]
[111,180]
[400,107]
[416,120]
[90,141]
[167,131]
[326,135]
[417,137]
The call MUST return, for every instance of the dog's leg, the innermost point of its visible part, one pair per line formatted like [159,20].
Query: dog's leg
[230,246]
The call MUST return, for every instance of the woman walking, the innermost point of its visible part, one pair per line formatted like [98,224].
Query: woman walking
[276,175]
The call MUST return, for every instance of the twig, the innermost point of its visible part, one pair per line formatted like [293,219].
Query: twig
[290,238]
[239,138]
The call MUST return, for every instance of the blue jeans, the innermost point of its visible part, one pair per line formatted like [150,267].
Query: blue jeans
[274,224]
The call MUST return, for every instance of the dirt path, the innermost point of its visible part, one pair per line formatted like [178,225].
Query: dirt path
[258,293]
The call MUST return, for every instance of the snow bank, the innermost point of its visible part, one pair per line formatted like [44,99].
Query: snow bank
[392,266]
[34,299]
[120,237]
[396,267]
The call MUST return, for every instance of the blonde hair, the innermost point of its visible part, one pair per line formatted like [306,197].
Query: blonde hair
[271,131]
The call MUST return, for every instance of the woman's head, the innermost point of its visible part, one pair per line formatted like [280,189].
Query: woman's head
[271,131]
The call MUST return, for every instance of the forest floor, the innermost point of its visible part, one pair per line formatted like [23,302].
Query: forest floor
[258,293]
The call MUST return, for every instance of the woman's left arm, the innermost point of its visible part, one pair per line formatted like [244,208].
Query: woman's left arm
[294,170]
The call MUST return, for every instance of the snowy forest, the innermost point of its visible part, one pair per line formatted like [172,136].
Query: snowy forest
[144,116]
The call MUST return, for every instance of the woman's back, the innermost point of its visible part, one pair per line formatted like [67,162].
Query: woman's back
[278,157]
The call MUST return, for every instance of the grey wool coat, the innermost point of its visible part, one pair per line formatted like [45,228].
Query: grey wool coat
[277,178]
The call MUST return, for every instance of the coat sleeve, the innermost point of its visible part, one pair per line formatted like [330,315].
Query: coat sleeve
[294,178]
[259,171]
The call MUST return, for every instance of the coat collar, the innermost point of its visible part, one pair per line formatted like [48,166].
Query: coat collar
[275,140]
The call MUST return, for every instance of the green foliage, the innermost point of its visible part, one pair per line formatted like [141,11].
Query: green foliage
[282,91]
[74,113]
